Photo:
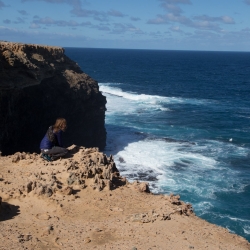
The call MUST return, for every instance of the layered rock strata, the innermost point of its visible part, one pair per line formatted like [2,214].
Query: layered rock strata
[39,84]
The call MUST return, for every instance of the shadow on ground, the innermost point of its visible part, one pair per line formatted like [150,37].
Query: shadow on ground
[8,211]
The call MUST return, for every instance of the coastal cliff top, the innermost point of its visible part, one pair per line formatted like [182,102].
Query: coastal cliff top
[15,46]
[81,200]
[24,65]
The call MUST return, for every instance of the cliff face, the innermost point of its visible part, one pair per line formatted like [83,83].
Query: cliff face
[39,84]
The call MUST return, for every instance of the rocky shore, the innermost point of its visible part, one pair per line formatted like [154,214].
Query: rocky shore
[82,202]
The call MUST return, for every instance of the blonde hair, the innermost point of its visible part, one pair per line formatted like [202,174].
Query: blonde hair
[60,124]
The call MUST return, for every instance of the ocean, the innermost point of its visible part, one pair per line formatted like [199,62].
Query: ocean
[180,120]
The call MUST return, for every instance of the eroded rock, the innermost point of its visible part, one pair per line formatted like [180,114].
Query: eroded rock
[141,186]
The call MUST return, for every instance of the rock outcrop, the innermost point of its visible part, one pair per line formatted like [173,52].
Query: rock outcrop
[83,167]
[39,84]
[82,202]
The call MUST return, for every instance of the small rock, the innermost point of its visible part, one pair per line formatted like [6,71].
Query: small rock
[67,190]
[43,216]
[87,240]
[27,237]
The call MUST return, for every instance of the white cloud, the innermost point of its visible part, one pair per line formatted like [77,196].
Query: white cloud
[206,25]
[170,17]
[70,2]
[173,20]
[37,36]
[176,29]
[173,13]
[23,12]
[48,21]
[173,16]
[177,18]
[159,20]
[156,34]
[120,28]
[101,27]
[172,5]
[7,21]
[115,13]
[2,5]
[19,20]
[172,8]
[34,26]
[227,19]
[78,11]
[135,19]
[223,19]
[96,15]
[176,1]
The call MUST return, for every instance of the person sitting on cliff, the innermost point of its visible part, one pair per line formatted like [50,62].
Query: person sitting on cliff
[51,144]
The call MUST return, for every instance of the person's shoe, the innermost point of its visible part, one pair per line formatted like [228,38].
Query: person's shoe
[43,156]
[46,157]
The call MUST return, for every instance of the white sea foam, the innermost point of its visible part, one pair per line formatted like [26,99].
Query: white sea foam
[243,116]
[176,165]
[174,168]
[151,101]
[238,219]
[117,104]
[203,207]
[246,229]
[230,231]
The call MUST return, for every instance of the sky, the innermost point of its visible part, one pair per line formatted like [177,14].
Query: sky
[210,25]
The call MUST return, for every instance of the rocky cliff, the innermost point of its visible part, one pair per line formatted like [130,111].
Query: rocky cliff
[37,85]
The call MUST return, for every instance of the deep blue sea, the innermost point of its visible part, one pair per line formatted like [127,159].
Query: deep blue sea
[180,120]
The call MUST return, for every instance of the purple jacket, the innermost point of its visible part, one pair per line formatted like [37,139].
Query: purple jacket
[47,144]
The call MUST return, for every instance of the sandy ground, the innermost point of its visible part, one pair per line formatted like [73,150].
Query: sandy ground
[66,205]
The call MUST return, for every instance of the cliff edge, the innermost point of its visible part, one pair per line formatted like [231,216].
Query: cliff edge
[82,202]
[37,85]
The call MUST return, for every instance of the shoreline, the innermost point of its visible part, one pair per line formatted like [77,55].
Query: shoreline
[57,205]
